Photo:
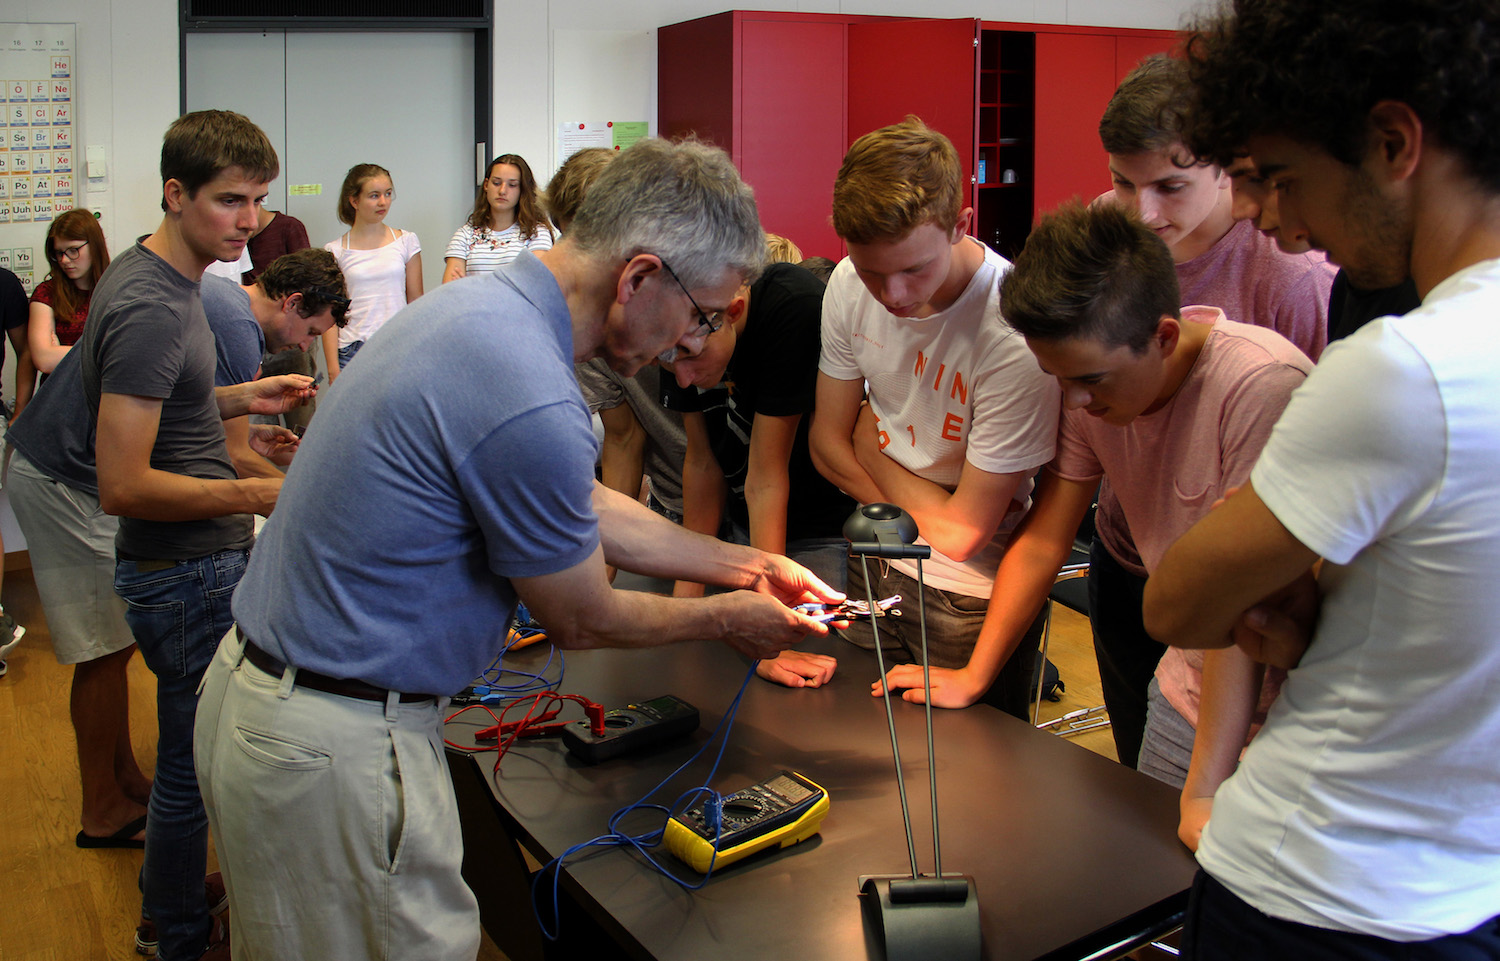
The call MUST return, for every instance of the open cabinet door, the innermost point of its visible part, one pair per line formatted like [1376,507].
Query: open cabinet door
[925,67]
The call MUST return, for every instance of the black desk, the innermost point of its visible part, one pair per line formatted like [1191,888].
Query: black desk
[1072,853]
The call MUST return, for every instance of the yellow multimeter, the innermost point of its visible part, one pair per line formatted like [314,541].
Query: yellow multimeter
[777,812]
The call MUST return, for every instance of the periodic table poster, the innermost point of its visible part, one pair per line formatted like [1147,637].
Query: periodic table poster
[37,171]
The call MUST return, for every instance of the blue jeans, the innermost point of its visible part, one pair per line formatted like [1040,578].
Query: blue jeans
[346,354]
[1221,927]
[953,623]
[178,616]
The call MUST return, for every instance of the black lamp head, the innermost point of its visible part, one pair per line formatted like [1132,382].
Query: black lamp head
[883,530]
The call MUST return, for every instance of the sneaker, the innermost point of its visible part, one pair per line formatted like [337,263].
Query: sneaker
[214,895]
[10,635]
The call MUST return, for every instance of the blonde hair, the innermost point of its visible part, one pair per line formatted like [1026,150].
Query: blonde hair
[564,195]
[895,179]
[780,250]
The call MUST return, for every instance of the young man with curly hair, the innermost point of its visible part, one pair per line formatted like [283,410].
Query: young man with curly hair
[1364,821]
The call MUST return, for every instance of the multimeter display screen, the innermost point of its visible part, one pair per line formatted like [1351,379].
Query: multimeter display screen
[785,787]
[661,705]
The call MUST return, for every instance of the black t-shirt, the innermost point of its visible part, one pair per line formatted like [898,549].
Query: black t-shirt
[14,308]
[774,371]
[1350,308]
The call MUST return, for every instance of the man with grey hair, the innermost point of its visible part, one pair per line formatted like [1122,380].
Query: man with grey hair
[462,431]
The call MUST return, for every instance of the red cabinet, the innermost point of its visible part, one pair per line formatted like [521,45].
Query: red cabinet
[770,89]
[786,93]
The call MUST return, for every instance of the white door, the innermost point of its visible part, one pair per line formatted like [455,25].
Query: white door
[329,101]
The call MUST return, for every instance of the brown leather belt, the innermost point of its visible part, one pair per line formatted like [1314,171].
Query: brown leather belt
[343,687]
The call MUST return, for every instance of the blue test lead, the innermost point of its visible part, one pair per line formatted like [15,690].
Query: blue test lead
[645,842]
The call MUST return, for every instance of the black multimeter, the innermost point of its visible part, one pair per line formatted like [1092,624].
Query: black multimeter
[781,811]
[634,727]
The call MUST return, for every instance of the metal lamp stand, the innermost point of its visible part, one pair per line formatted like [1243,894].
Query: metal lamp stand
[922,916]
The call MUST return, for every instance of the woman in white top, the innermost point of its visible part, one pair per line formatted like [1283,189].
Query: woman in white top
[382,266]
[507,219]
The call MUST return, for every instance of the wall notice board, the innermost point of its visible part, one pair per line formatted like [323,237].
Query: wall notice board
[38,65]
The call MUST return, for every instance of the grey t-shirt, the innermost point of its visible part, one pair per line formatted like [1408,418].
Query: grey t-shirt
[56,432]
[666,442]
[147,337]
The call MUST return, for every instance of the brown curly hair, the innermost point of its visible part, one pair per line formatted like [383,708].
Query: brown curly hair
[1313,71]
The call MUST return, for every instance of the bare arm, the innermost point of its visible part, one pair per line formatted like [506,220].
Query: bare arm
[830,438]
[957,523]
[130,486]
[41,336]
[768,487]
[1225,564]
[330,340]
[581,610]
[269,395]
[623,454]
[1027,572]
[25,369]
[414,277]
[1230,693]
[247,463]
[703,492]
[635,539]
[768,484]
[454,268]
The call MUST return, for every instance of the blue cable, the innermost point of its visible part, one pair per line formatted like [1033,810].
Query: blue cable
[650,839]
[528,682]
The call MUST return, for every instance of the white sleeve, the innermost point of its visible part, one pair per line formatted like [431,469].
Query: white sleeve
[839,304]
[1359,452]
[1016,407]
[541,239]
[463,239]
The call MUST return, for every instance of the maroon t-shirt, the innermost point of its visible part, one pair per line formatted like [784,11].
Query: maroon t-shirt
[283,235]
[68,332]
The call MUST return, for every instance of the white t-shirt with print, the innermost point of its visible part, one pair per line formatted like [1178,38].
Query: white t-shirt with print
[958,386]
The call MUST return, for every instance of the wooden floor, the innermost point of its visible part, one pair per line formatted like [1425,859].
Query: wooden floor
[65,904]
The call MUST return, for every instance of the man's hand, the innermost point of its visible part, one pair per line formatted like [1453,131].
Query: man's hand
[275,444]
[1195,814]
[277,395]
[791,583]
[798,669]
[1278,629]
[761,626]
[951,687]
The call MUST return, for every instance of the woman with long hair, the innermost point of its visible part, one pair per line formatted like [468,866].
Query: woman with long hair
[77,256]
[382,265]
[507,218]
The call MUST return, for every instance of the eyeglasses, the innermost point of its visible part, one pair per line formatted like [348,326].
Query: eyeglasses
[70,253]
[712,321]
[337,303]
[329,296]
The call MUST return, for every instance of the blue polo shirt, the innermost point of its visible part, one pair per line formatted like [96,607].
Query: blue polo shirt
[453,454]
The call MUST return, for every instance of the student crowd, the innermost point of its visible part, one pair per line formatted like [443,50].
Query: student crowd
[1288,458]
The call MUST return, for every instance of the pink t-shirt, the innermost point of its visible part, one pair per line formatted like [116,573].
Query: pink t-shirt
[1248,277]
[1167,468]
